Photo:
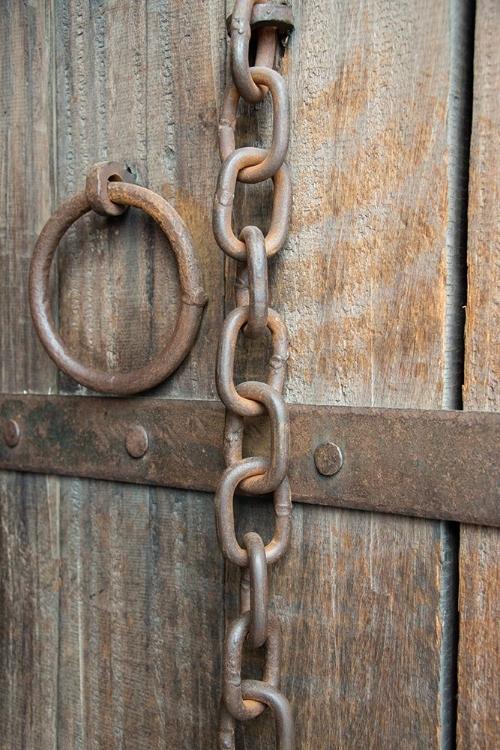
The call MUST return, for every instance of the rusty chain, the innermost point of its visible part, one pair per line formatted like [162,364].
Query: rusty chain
[256,626]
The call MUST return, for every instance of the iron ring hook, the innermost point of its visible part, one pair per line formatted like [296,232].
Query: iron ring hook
[107,192]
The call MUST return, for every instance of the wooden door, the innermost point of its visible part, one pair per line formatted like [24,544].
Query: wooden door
[114,597]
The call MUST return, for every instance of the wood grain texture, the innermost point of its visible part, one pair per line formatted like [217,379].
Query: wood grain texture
[141,615]
[140,85]
[482,365]
[359,611]
[479,646]
[115,660]
[29,557]
[26,165]
[362,286]
[142,580]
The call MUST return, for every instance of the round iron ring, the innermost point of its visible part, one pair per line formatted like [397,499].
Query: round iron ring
[193,297]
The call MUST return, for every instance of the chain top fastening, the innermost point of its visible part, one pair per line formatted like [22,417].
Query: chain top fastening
[256,626]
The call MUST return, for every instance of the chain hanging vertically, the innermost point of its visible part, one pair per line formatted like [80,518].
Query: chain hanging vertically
[256,626]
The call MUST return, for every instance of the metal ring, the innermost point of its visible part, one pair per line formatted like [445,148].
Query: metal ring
[258,599]
[240,44]
[267,694]
[224,197]
[280,437]
[192,301]
[232,663]
[281,126]
[224,513]
[258,304]
[225,361]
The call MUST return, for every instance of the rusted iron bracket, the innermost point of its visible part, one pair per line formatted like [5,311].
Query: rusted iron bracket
[430,464]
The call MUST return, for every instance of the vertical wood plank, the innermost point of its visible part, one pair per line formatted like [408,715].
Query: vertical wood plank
[140,85]
[479,645]
[362,286]
[27,197]
[140,612]
[142,590]
[29,530]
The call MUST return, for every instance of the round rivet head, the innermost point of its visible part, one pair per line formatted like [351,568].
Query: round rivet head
[136,442]
[11,433]
[328,459]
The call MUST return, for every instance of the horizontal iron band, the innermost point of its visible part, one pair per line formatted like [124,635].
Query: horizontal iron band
[430,464]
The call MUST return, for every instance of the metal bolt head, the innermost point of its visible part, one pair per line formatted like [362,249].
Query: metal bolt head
[328,459]
[11,433]
[136,442]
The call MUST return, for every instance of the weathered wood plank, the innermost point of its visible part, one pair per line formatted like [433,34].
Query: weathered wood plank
[140,85]
[29,532]
[361,284]
[27,196]
[29,606]
[141,614]
[479,646]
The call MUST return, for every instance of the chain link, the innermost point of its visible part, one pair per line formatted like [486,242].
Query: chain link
[224,198]
[256,626]
[254,590]
[226,388]
[281,126]
[257,284]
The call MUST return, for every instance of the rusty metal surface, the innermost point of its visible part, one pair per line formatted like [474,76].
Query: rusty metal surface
[256,475]
[237,633]
[226,389]
[251,286]
[96,187]
[224,198]
[276,15]
[255,690]
[240,31]
[328,459]
[430,464]
[104,196]
[11,433]
[281,125]
[254,590]
[224,511]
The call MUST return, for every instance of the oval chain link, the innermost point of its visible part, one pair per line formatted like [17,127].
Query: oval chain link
[236,634]
[281,126]
[256,273]
[241,34]
[254,596]
[224,513]
[226,388]
[277,465]
[224,198]
[255,627]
